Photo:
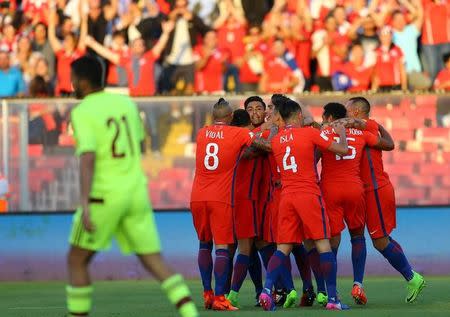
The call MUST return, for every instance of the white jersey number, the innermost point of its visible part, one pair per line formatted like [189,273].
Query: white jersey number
[211,152]
[353,149]
[289,161]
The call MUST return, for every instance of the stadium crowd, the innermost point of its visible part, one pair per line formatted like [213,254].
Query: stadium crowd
[210,46]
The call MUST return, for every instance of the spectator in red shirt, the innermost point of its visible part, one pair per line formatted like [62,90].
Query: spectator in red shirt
[231,28]
[359,75]
[139,64]
[442,81]
[390,73]
[330,49]
[117,75]
[251,65]
[277,76]
[435,34]
[210,65]
[302,27]
[66,52]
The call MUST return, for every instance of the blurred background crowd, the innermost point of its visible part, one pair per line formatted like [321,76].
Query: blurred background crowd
[182,47]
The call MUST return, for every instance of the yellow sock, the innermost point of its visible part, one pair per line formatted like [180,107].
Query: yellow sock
[79,300]
[179,295]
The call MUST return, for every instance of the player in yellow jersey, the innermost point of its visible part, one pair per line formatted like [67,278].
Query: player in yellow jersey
[114,200]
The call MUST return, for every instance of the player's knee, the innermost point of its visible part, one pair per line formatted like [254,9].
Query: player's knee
[381,243]
[359,232]
[77,257]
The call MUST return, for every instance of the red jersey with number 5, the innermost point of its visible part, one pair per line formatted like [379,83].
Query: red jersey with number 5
[294,151]
[372,169]
[346,168]
[218,150]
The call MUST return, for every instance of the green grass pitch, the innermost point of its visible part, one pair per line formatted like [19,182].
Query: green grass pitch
[144,299]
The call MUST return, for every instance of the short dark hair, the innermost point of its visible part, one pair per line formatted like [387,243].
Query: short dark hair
[335,109]
[446,58]
[254,99]
[278,100]
[90,69]
[241,118]
[362,103]
[40,24]
[38,87]
[396,12]
[288,109]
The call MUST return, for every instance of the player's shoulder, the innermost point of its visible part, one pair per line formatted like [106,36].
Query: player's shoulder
[371,125]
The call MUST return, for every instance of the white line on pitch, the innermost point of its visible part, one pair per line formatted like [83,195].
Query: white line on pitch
[36,308]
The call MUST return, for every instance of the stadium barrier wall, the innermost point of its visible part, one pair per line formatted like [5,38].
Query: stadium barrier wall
[45,178]
[34,246]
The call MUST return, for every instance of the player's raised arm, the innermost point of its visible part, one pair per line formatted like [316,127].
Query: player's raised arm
[340,147]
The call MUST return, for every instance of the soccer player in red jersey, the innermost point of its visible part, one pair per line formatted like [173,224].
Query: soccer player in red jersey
[301,214]
[219,147]
[380,202]
[343,191]
[245,215]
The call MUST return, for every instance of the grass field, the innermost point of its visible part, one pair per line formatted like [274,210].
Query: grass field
[143,298]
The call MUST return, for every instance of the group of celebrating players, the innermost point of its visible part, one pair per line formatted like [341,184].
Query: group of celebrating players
[257,184]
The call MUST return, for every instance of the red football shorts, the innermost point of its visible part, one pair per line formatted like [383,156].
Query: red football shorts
[245,218]
[381,211]
[302,216]
[271,232]
[213,221]
[345,205]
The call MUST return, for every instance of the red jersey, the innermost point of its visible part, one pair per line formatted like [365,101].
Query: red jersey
[141,81]
[210,77]
[436,23]
[247,179]
[303,52]
[346,168]
[231,40]
[63,81]
[388,65]
[33,8]
[294,151]
[442,77]
[218,150]
[113,75]
[361,76]
[250,71]
[278,71]
[372,169]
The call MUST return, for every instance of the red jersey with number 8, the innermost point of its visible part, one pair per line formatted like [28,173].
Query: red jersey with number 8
[218,150]
[294,151]
[336,168]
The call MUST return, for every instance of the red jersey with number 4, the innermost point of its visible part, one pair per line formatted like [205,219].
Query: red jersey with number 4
[218,150]
[372,169]
[346,168]
[294,151]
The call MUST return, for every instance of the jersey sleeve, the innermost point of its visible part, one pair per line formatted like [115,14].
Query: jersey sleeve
[83,132]
[372,126]
[370,138]
[320,139]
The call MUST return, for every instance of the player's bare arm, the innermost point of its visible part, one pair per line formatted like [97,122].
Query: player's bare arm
[87,163]
[386,142]
[260,145]
[341,147]
[350,123]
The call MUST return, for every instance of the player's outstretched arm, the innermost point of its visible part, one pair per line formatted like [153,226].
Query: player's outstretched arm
[341,147]
[385,143]
[350,123]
